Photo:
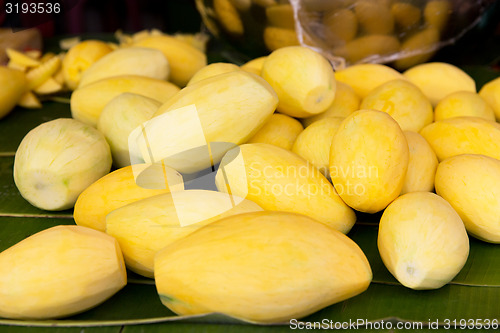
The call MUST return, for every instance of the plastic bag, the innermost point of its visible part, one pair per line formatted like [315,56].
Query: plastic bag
[402,32]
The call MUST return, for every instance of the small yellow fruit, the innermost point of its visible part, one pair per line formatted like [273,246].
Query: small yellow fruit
[423,43]
[341,26]
[277,179]
[368,160]
[303,80]
[374,17]
[281,16]
[80,57]
[59,159]
[437,80]
[314,143]
[280,130]
[88,102]
[437,13]
[29,101]
[122,187]
[276,38]
[422,241]
[367,48]
[254,66]
[421,166]
[403,101]
[406,15]
[59,272]
[490,92]
[264,267]
[213,70]
[463,135]
[13,88]
[470,183]
[363,78]
[228,17]
[145,227]
[463,104]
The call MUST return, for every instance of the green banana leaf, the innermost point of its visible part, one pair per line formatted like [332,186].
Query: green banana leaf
[473,294]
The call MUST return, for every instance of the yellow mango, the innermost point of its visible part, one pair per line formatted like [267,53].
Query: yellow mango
[21,59]
[29,101]
[303,80]
[463,104]
[119,118]
[346,102]
[303,267]
[490,92]
[314,143]
[145,227]
[213,70]
[368,160]
[437,13]
[276,38]
[365,48]
[221,111]
[80,57]
[423,42]
[122,187]
[438,79]
[58,272]
[374,17]
[363,78]
[341,26]
[470,183]
[242,5]
[50,86]
[254,65]
[128,61]
[403,101]
[277,179]
[228,17]
[406,15]
[184,59]
[281,16]
[88,102]
[39,75]
[463,135]
[422,165]
[59,159]
[280,130]
[422,241]
[13,88]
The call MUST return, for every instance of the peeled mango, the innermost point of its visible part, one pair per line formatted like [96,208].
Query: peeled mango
[197,126]
[88,102]
[280,130]
[145,227]
[463,104]
[213,70]
[490,92]
[368,160]
[263,267]
[13,87]
[58,272]
[470,183]
[277,179]
[422,241]
[59,159]
[122,187]
[128,61]
[463,135]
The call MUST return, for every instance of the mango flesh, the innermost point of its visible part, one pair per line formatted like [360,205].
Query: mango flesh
[277,179]
[301,266]
[58,160]
[277,38]
[122,187]
[184,59]
[213,70]
[88,102]
[422,43]
[128,61]
[341,26]
[470,184]
[254,65]
[222,111]
[437,13]
[314,143]
[490,92]
[119,118]
[13,88]
[422,165]
[80,57]
[59,272]
[363,78]
[303,80]
[374,17]
[144,227]
[365,48]
[368,160]
[280,130]
[403,101]
[422,241]
[437,80]
[463,104]
[463,135]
